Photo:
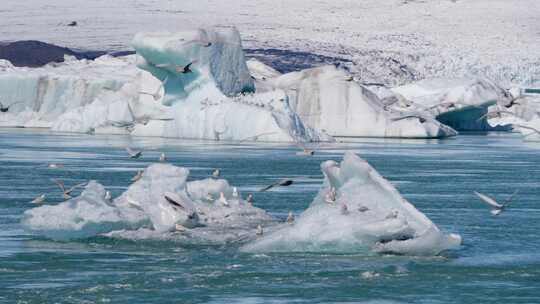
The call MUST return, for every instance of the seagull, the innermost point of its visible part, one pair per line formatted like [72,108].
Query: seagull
[330,196]
[283,182]
[137,176]
[249,199]
[178,68]
[234,192]
[66,193]
[216,173]
[290,218]
[496,207]
[108,196]
[133,153]
[38,200]
[259,230]
[162,157]
[223,200]
[54,166]
[4,109]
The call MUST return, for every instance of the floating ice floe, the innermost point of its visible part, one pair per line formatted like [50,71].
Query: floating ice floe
[365,212]
[458,103]
[328,99]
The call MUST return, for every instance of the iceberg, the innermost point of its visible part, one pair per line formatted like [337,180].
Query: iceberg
[163,204]
[459,103]
[367,213]
[329,100]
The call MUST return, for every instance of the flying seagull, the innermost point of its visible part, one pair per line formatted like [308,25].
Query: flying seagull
[38,200]
[66,193]
[133,153]
[283,183]
[496,207]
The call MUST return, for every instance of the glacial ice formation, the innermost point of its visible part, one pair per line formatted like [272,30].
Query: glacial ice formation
[210,211]
[458,103]
[328,99]
[368,212]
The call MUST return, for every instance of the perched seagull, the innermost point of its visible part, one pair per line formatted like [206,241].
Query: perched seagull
[223,200]
[259,230]
[4,109]
[249,199]
[108,196]
[216,173]
[133,153]
[283,183]
[38,200]
[137,176]
[234,192]
[330,196]
[496,207]
[162,157]
[290,218]
[66,193]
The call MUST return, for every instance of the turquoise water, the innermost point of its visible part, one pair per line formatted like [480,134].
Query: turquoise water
[499,261]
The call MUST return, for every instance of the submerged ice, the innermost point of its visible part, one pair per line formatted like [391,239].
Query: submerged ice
[365,212]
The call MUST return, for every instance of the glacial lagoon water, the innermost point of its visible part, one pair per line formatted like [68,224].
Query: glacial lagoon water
[499,261]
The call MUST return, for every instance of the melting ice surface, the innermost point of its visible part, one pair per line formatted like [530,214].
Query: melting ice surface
[209,211]
[499,255]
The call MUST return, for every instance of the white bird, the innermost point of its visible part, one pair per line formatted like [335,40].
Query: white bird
[496,207]
[108,196]
[54,166]
[234,192]
[40,199]
[290,218]
[330,196]
[132,153]
[249,199]
[216,173]
[259,230]
[179,228]
[137,176]
[162,157]
[223,200]
[66,193]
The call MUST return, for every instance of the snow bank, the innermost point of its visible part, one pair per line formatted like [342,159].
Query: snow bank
[375,216]
[329,100]
[458,103]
